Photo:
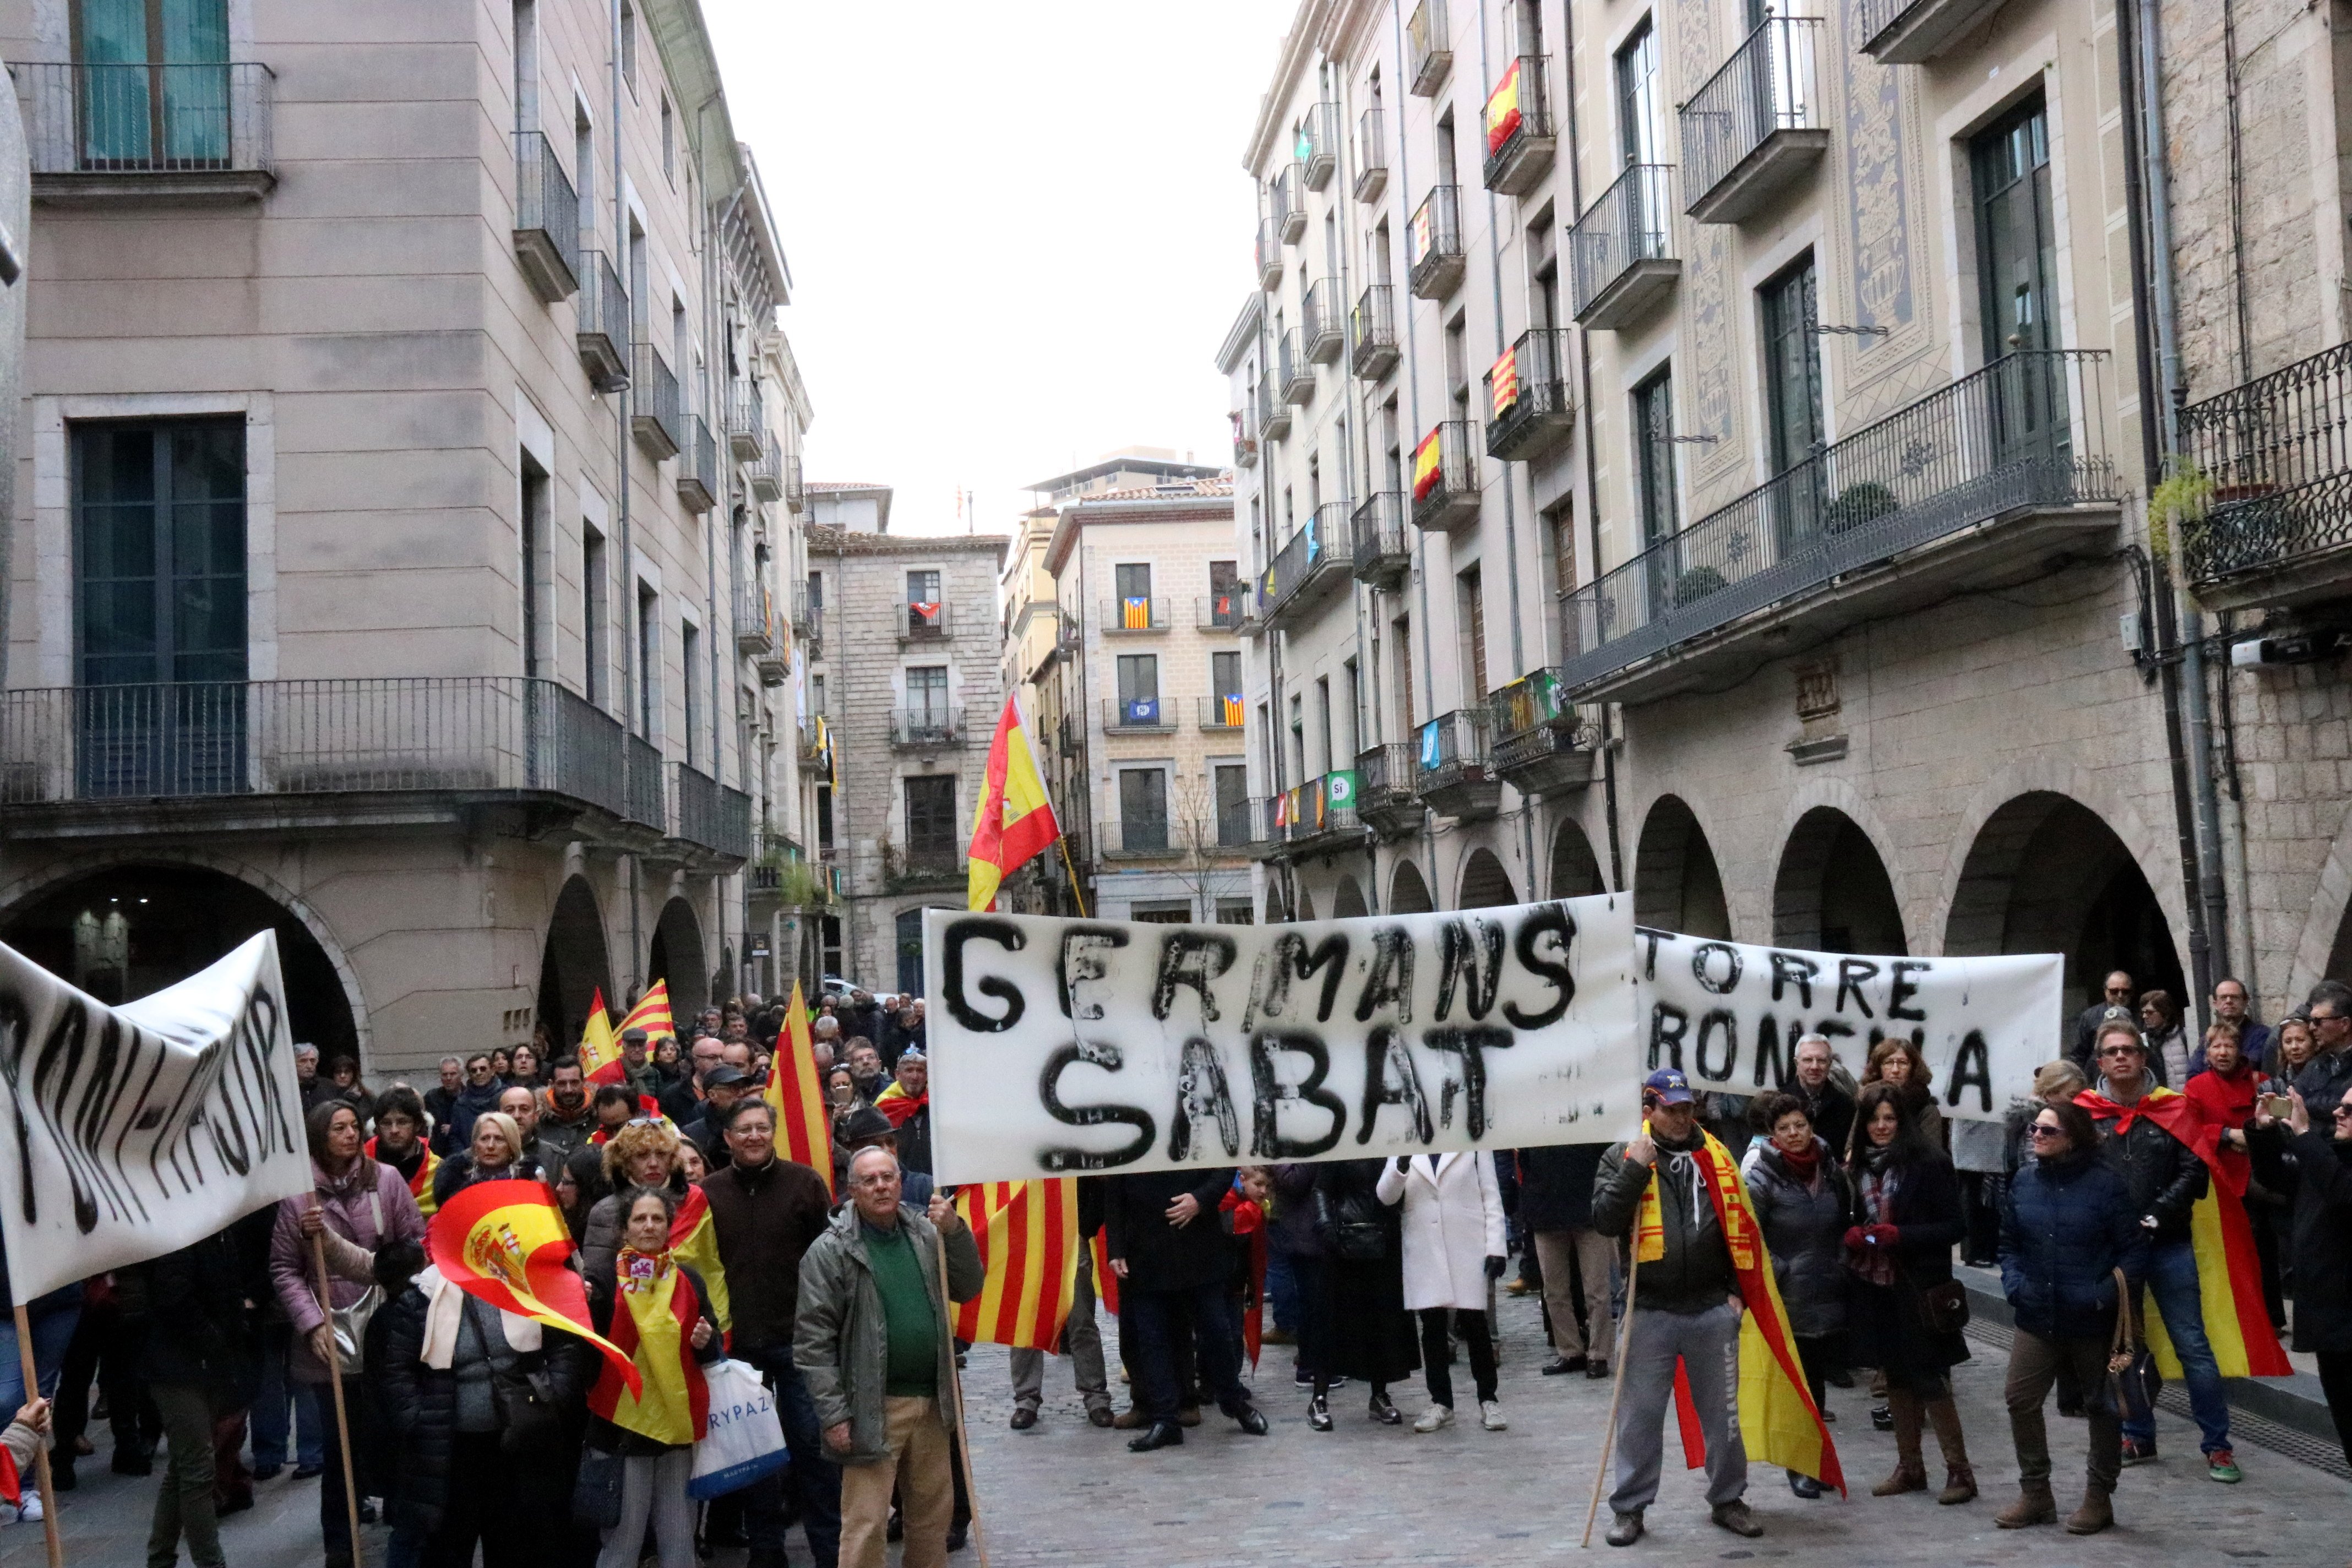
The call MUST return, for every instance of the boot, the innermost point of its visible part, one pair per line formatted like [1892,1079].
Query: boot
[1910,1471]
[1959,1478]
[2035,1505]
[2096,1513]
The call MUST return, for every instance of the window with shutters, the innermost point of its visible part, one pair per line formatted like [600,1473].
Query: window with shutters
[932,837]
[1143,809]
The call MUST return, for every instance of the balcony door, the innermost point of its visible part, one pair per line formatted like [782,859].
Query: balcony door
[1143,809]
[152,83]
[933,832]
[1139,688]
[1792,387]
[159,599]
[2017,256]
[926,700]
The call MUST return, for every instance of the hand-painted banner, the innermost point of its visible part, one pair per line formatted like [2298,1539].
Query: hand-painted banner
[134,1131]
[1729,1015]
[1062,1045]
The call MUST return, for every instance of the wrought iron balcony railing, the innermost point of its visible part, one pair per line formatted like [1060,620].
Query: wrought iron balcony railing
[1756,124]
[1541,742]
[765,474]
[1123,617]
[756,631]
[1428,47]
[1291,203]
[1621,251]
[1383,546]
[1445,475]
[1520,140]
[1433,248]
[927,727]
[189,132]
[1388,788]
[1152,714]
[547,219]
[920,623]
[1139,838]
[704,812]
[1269,252]
[698,466]
[1375,331]
[1314,561]
[1323,321]
[1322,138]
[747,421]
[1225,711]
[1457,775]
[2278,453]
[654,416]
[1221,610]
[601,325]
[1914,32]
[1527,391]
[1371,155]
[1296,370]
[1273,411]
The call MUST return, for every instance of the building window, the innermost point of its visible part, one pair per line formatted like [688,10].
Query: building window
[1225,687]
[1161,913]
[137,112]
[689,647]
[1139,688]
[1133,585]
[1654,456]
[1143,809]
[629,44]
[1793,366]
[669,140]
[593,611]
[648,662]
[1231,781]
[931,824]
[1641,124]
[927,694]
[536,504]
[2016,240]
[1470,617]
[1235,913]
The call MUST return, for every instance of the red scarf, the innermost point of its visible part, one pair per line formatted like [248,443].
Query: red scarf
[1802,1166]
[1249,1221]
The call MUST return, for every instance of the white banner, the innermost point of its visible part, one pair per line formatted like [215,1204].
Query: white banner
[1063,1046]
[1729,1015]
[134,1131]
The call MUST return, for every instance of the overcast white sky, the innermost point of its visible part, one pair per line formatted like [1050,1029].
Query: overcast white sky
[1017,231]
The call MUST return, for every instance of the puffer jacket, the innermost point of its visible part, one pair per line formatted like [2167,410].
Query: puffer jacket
[368,1206]
[1695,1273]
[841,1346]
[2067,1224]
[1804,1226]
[2165,1176]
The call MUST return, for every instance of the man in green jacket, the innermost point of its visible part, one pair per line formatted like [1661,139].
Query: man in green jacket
[875,1347]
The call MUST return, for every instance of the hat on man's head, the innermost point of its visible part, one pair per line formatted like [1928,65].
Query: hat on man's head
[633,1036]
[1670,1086]
[725,1076]
[913,1054]
[865,1124]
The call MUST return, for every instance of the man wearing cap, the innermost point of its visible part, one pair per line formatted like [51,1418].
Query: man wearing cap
[1686,1306]
[869,1129]
[720,1090]
[638,1073]
[907,1104]
[682,1101]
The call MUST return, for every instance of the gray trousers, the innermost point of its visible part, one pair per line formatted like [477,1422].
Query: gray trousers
[1708,1345]
[1594,1253]
[1084,1340]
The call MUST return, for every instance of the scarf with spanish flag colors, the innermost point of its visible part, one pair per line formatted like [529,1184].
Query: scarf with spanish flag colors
[653,1320]
[803,1124]
[420,1185]
[2229,1274]
[1779,1422]
[1028,1233]
[505,1243]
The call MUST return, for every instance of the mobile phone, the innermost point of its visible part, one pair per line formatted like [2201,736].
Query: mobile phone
[2278,1105]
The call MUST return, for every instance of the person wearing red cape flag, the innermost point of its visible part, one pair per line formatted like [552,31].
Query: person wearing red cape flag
[2202,1274]
[504,1243]
[1705,1325]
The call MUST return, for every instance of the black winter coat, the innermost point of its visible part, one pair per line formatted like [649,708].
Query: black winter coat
[185,1313]
[2319,1230]
[1160,1256]
[1888,1323]
[1804,1226]
[1695,1273]
[1555,1186]
[2165,1176]
[2067,1224]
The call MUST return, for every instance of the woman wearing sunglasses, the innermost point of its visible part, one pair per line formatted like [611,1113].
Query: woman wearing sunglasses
[2067,1224]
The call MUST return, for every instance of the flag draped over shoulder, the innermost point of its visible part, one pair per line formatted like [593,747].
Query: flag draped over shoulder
[803,1129]
[420,1185]
[1779,1422]
[505,1243]
[1015,822]
[694,1238]
[599,1047]
[2229,1274]
[1028,1237]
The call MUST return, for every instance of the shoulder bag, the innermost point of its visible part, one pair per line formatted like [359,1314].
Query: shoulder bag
[351,1322]
[2132,1381]
[1352,1227]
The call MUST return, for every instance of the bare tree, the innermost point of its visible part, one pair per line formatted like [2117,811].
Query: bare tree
[1204,863]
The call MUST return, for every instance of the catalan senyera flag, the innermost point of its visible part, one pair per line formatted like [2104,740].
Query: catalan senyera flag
[1503,382]
[694,1238]
[1502,117]
[1028,1237]
[420,1185]
[1015,822]
[804,1131]
[1134,614]
[1426,466]
[599,1047]
[505,1243]
[2229,1274]
[652,1015]
[1105,1282]
[1779,1422]
[1420,233]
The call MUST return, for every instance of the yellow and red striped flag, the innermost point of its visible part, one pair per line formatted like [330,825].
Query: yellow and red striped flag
[1105,1282]
[1134,614]
[1028,1237]
[1503,382]
[1426,466]
[804,1131]
[505,1243]
[1015,822]
[652,1015]
[1502,117]
[598,1045]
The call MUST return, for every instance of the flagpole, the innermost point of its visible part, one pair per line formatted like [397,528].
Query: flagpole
[41,1451]
[1062,841]
[335,1377]
[963,1437]
[1616,1389]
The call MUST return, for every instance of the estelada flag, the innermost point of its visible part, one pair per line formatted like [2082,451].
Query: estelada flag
[2229,1274]
[1028,1237]
[1779,1422]
[803,1129]
[505,1243]
[1502,117]
[599,1047]
[1015,822]
[1426,466]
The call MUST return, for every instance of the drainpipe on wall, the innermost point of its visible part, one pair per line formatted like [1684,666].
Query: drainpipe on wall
[620,406]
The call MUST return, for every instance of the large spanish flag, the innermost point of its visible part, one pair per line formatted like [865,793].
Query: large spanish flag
[694,1238]
[803,1129]
[1426,466]
[505,1243]
[1502,117]
[1028,1237]
[1015,822]
[599,1047]
[2229,1275]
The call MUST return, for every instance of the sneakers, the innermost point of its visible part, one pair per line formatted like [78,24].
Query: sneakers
[1625,1528]
[1733,1517]
[1300,1377]
[2139,1451]
[1882,1418]
[2222,1465]
[1490,1417]
[1435,1418]
[1383,1409]
[1318,1414]
[29,1510]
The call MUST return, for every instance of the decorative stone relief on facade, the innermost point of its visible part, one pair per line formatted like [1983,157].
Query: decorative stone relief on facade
[1712,352]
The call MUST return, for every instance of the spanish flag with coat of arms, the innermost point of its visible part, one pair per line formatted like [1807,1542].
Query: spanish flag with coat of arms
[1015,823]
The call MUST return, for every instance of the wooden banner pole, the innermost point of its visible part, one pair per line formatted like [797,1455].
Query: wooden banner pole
[1616,1392]
[40,1454]
[963,1437]
[335,1381]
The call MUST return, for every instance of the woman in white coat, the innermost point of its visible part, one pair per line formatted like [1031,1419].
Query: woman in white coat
[1453,1223]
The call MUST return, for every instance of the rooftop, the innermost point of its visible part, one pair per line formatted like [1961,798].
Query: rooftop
[1127,464]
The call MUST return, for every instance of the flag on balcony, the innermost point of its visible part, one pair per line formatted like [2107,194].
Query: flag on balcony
[1502,119]
[1503,382]
[1429,744]
[1140,711]
[804,1126]
[1426,466]
[923,613]
[1224,612]
[1282,812]
[1233,710]
[1420,235]
[1134,614]
[599,1046]
[1340,790]
[1028,1233]
[1015,823]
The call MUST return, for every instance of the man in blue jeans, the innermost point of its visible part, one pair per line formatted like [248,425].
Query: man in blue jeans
[2166,1178]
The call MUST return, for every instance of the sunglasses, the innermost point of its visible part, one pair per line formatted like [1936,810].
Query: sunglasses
[2047,1130]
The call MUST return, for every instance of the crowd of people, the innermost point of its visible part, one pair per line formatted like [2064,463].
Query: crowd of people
[473,1428]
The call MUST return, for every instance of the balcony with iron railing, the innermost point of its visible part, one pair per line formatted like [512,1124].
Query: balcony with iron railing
[1456,774]
[924,622]
[654,416]
[1979,484]
[1223,710]
[807,615]
[698,466]
[1429,47]
[2276,530]
[1916,32]
[1291,188]
[1140,617]
[755,621]
[1272,413]
[765,475]
[796,491]
[1311,566]
[1140,838]
[1375,331]
[1247,827]
[1622,257]
[1250,606]
[601,323]
[1527,390]
[1245,437]
[915,728]
[1323,321]
[1387,789]
[546,220]
[1433,245]
[1541,742]
[1756,127]
[1371,155]
[1151,715]
[646,795]
[704,812]
[1296,370]
[747,421]
[1269,252]
[1220,610]
[1383,543]
[931,863]
[1320,143]
[1445,477]
[1520,137]
[185,133]
[1319,815]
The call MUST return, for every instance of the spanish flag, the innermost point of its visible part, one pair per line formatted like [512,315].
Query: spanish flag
[1502,119]
[694,1238]
[803,1129]
[1427,468]
[505,1243]
[1015,823]
[1779,1422]
[1503,382]
[1028,1237]
[420,1185]
[599,1047]
[1134,614]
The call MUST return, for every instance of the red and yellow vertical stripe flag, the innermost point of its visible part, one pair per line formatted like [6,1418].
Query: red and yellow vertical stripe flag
[598,1043]
[1425,465]
[1502,117]
[652,1015]
[1503,382]
[1134,614]
[1028,1237]
[804,1131]
[694,1237]
[1015,822]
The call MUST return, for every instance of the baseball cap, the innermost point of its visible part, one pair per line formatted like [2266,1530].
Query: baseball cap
[1670,1086]
[725,1077]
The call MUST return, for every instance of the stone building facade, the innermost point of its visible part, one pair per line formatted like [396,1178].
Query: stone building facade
[406,503]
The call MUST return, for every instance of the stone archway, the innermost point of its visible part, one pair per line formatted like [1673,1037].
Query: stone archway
[1484,884]
[1408,894]
[1348,900]
[2046,874]
[1832,893]
[1676,886]
[676,959]
[1575,870]
[575,964]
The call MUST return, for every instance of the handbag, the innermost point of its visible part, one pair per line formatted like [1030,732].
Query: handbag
[596,1494]
[351,1329]
[1945,1306]
[2132,1381]
[743,1439]
[1352,1229]
[528,1423]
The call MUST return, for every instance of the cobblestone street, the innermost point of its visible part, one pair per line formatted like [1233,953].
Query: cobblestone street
[1069,1496]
